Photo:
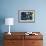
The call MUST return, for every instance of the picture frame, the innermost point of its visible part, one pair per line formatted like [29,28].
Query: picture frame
[26,16]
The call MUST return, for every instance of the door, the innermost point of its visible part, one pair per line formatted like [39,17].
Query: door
[33,42]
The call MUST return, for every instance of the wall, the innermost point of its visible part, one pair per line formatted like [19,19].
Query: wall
[9,8]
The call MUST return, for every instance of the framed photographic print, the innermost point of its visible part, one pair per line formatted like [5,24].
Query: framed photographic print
[26,16]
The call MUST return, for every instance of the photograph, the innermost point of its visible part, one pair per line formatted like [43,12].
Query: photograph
[26,16]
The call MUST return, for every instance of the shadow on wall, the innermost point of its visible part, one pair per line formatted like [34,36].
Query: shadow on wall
[2,21]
